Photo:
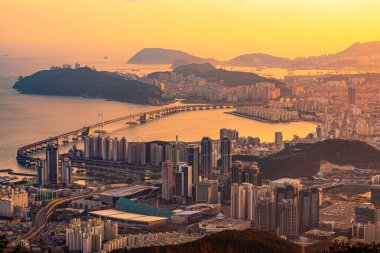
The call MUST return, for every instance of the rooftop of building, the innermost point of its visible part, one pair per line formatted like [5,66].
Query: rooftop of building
[223,222]
[318,232]
[124,216]
[202,206]
[128,190]
[285,180]
[185,213]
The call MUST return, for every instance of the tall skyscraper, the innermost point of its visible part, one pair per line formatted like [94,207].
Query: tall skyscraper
[309,208]
[107,149]
[88,147]
[278,138]
[142,154]
[232,134]
[206,157]
[42,173]
[287,211]
[253,174]
[136,153]
[66,172]
[151,153]
[241,203]
[288,218]
[123,149]
[169,152]
[254,203]
[158,155]
[351,93]
[226,154]
[183,180]
[99,147]
[115,149]
[265,218]
[167,180]
[375,195]
[52,159]
[192,159]
[237,170]
[244,172]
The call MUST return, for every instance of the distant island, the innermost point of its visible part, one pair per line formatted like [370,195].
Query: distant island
[166,56]
[85,82]
[359,56]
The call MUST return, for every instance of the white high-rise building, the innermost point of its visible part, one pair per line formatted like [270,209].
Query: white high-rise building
[111,230]
[245,199]
[183,180]
[214,159]
[66,172]
[239,201]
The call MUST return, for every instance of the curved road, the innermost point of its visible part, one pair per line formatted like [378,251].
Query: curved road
[43,215]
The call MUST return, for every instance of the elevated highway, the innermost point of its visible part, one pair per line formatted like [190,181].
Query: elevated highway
[43,215]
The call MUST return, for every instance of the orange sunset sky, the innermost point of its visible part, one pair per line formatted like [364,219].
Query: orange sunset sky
[209,28]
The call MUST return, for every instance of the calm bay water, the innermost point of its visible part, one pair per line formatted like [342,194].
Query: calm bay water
[28,118]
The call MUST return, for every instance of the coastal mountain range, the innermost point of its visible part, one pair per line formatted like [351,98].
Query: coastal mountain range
[359,56]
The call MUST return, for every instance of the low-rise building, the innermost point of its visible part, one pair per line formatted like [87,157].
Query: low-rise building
[222,223]
[186,217]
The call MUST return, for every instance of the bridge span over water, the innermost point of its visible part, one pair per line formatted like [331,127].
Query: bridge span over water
[24,154]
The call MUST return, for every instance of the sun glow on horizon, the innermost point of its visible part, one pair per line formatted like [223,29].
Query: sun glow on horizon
[215,28]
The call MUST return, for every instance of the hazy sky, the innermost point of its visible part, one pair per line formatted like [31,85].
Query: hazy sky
[208,28]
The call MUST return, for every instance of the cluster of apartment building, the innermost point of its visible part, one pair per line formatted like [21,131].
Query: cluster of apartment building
[283,207]
[268,113]
[53,170]
[13,201]
[179,85]
[88,236]
[262,91]
[150,239]
[105,148]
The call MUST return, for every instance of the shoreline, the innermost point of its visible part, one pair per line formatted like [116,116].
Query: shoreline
[94,97]
[270,121]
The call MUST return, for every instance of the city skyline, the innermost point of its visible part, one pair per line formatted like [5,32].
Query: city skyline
[131,125]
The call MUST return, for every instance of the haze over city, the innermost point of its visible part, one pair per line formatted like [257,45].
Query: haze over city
[190,126]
